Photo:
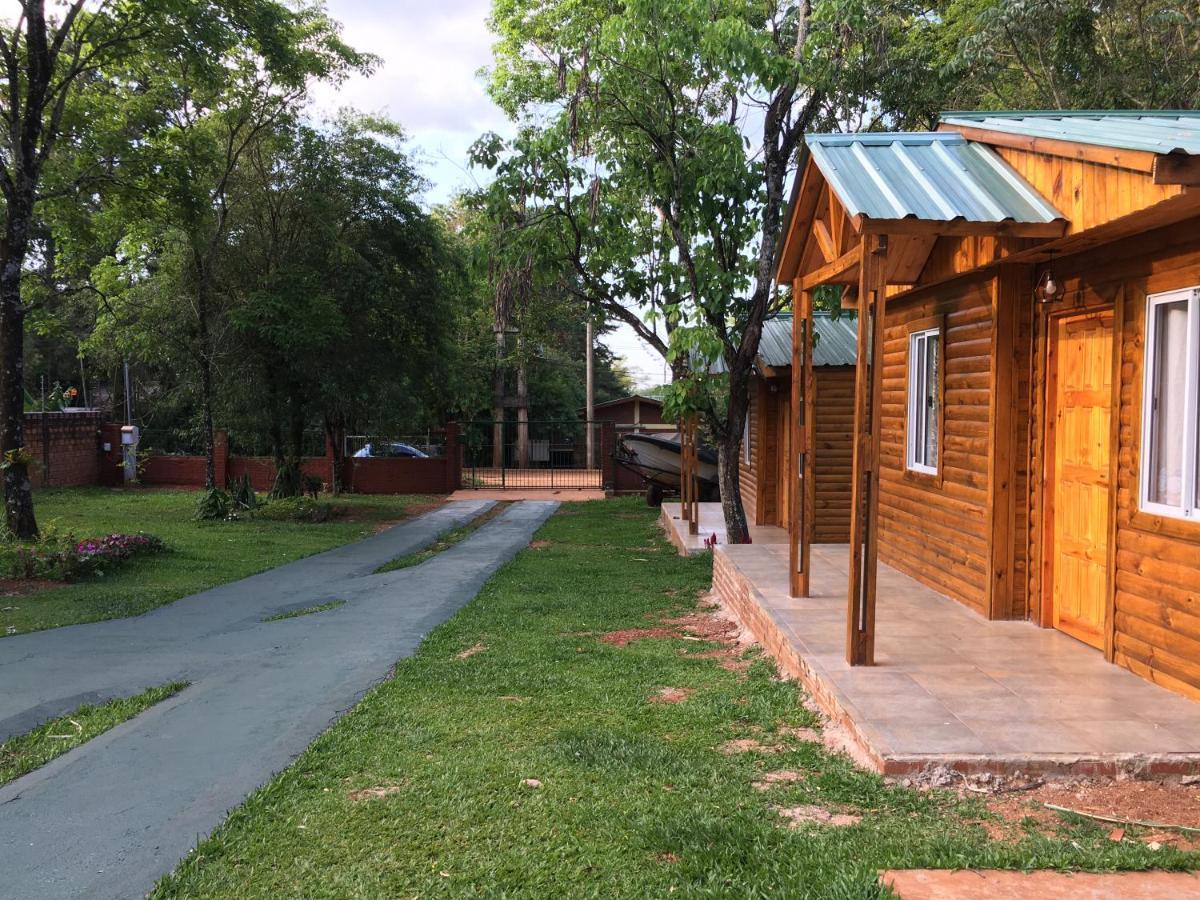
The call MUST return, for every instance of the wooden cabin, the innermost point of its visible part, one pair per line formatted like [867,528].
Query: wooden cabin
[633,413]
[1027,416]
[765,445]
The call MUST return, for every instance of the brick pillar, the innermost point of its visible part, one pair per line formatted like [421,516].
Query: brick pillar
[110,459]
[221,458]
[330,461]
[453,459]
[608,452]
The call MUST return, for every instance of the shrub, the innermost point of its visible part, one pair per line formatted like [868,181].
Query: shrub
[58,556]
[214,504]
[93,554]
[243,495]
[296,509]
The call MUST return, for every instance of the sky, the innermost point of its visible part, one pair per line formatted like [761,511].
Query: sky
[431,52]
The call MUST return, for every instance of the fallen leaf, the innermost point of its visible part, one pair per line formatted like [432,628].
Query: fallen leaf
[1117,835]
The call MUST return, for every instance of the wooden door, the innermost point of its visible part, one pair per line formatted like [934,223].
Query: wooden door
[1079,393]
[783,428]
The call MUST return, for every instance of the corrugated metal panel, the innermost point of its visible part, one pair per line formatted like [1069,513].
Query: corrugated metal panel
[837,340]
[1151,131]
[934,176]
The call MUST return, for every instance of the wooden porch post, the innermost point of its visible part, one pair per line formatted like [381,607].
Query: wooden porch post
[801,485]
[864,509]
[694,490]
[685,509]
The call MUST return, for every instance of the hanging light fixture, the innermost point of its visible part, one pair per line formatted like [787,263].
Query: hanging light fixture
[1048,287]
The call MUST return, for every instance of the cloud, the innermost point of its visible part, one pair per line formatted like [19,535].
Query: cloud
[430,52]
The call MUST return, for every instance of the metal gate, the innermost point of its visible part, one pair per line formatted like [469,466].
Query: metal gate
[533,455]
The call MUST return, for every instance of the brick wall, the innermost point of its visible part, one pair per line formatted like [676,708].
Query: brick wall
[65,447]
[77,456]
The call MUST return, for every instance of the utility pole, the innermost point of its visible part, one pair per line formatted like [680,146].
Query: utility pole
[591,396]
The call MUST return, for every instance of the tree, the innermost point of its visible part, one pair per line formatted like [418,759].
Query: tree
[676,121]
[82,56]
[344,287]
[1039,54]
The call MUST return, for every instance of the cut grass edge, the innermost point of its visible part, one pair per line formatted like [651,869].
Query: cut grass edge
[446,541]
[23,753]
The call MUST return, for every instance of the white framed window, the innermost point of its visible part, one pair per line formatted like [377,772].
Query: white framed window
[924,400]
[1170,477]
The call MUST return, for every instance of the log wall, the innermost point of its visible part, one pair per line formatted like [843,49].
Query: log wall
[748,474]
[934,528]
[835,448]
[1155,569]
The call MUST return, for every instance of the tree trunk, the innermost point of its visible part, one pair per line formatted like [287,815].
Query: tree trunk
[335,440]
[206,376]
[522,408]
[737,530]
[18,491]
[498,403]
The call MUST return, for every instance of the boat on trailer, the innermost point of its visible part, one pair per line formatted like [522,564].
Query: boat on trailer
[657,459]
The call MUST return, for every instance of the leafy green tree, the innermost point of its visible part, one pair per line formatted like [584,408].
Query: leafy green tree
[62,67]
[661,133]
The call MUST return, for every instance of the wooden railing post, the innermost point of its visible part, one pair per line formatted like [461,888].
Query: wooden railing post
[864,509]
[801,487]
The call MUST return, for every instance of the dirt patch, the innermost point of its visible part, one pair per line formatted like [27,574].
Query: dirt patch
[784,776]
[805,815]
[21,587]
[1163,802]
[470,651]
[510,698]
[629,635]
[748,745]
[670,695]
[708,624]
[374,793]
[540,545]
[666,858]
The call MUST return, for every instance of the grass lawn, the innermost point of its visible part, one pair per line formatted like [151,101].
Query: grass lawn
[26,752]
[201,554]
[522,753]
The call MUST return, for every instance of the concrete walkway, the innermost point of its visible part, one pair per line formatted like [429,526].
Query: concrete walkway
[109,818]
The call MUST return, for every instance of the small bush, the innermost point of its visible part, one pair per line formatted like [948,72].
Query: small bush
[296,509]
[243,495]
[214,504]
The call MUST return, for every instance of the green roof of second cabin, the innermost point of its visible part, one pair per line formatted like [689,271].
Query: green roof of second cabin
[1161,132]
[836,345]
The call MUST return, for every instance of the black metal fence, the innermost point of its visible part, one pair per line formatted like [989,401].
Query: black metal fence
[541,454]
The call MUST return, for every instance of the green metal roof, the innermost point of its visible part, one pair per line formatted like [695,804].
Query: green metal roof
[1151,131]
[837,340]
[933,176]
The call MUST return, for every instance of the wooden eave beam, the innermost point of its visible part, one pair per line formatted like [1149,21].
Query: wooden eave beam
[959,227]
[842,270]
[798,223]
[1177,168]
[824,240]
[1137,160]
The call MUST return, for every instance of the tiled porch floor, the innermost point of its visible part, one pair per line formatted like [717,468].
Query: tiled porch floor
[712,521]
[952,687]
